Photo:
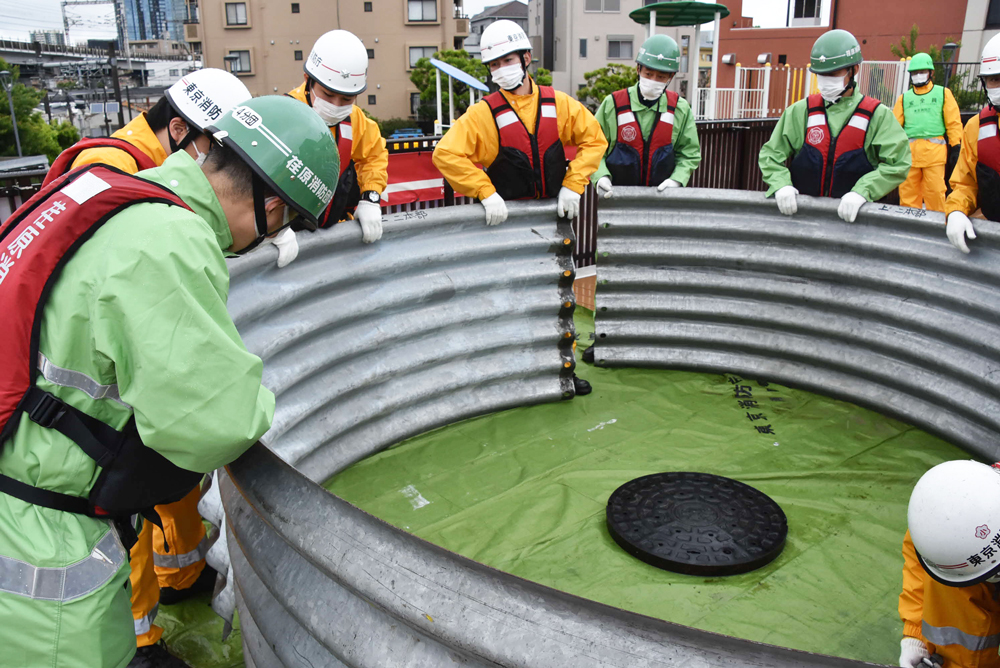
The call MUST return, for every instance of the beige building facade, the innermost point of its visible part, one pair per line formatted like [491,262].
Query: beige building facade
[271,40]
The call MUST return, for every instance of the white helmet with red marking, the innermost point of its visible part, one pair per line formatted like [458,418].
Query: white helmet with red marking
[339,62]
[954,518]
[991,57]
[500,38]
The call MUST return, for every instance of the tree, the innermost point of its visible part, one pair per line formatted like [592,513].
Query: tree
[603,82]
[423,77]
[543,77]
[907,47]
[37,137]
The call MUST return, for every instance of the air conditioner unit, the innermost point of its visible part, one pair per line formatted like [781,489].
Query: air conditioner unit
[763,58]
[729,59]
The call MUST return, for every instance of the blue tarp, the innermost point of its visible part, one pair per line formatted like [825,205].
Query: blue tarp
[456,73]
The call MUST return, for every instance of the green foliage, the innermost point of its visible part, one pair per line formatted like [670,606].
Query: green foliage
[603,82]
[37,136]
[543,77]
[66,134]
[904,49]
[69,84]
[391,125]
[423,77]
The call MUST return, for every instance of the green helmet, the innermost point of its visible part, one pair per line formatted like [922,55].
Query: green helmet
[834,50]
[289,148]
[659,52]
[920,61]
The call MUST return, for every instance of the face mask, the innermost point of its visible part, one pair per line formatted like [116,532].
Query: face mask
[508,77]
[201,157]
[831,88]
[994,95]
[331,113]
[651,90]
[920,79]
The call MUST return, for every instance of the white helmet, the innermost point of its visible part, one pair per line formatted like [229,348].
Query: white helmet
[954,518]
[339,62]
[500,38]
[202,96]
[991,57]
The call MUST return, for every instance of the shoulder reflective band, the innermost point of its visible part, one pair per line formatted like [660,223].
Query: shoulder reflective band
[66,583]
[143,624]
[78,381]
[949,635]
[182,560]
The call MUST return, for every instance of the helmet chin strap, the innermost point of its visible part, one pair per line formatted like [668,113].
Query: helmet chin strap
[259,213]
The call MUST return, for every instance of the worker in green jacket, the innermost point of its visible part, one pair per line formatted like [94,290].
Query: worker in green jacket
[652,139]
[842,144]
[136,325]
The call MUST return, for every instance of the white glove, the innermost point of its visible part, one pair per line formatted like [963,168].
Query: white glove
[785,197]
[369,214]
[960,228]
[850,204]
[913,652]
[496,209]
[669,183]
[568,205]
[288,247]
[604,187]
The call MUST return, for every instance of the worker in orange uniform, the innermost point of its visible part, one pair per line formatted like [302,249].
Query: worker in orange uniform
[336,72]
[510,130]
[950,603]
[975,183]
[168,565]
[927,113]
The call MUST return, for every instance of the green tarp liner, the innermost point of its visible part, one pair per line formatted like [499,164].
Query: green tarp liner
[525,491]
[193,632]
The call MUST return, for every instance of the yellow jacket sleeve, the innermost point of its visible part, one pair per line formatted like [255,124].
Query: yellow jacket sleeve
[578,127]
[964,195]
[471,140]
[113,157]
[897,110]
[911,600]
[371,158]
[952,118]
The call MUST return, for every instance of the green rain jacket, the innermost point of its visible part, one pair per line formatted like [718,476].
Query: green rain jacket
[138,317]
[886,145]
[685,138]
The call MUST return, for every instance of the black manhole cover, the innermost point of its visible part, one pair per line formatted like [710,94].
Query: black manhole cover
[696,523]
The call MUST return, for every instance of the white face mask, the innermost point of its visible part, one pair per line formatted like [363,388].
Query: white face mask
[508,77]
[651,90]
[831,88]
[994,95]
[331,113]
[920,79]
[199,157]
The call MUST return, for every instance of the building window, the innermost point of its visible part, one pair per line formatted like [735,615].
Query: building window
[243,64]
[371,99]
[583,47]
[421,10]
[371,53]
[602,5]
[295,8]
[418,52]
[236,13]
[175,73]
[993,14]
[806,9]
[368,6]
[620,47]
[414,104]
[298,55]
[175,46]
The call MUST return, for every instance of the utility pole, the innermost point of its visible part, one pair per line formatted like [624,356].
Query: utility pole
[113,61]
[7,81]
[107,121]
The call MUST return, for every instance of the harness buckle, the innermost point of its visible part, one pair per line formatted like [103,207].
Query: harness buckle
[47,410]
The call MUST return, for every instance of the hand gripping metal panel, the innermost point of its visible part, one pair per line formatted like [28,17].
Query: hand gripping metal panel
[883,312]
[443,319]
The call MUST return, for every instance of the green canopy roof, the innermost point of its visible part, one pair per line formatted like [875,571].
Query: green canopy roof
[681,13]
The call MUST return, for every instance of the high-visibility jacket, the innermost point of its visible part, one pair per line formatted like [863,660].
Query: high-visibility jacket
[136,325]
[968,189]
[885,145]
[364,160]
[927,149]
[138,133]
[474,139]
[962,624]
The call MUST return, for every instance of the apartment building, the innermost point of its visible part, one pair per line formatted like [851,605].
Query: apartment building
[272,39]
[572,37]
[515,11]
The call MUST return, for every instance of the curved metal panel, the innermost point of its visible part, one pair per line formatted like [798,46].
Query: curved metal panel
[443,319]
[882,312]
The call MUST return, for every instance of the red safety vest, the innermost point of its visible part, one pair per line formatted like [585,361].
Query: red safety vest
[635,161]
[988,164]
[64,161]
[37,241]
[830,166]
[348,193]
[527,166]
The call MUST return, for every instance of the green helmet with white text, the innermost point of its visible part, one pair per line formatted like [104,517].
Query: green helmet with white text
[834,50]
[659,52]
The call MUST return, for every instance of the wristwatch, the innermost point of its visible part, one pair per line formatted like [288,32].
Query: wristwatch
[371,196]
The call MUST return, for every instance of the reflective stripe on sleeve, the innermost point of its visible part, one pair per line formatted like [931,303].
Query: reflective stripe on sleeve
[69,582]
[79,381]
[949,635]
[182,560]
[143,624]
